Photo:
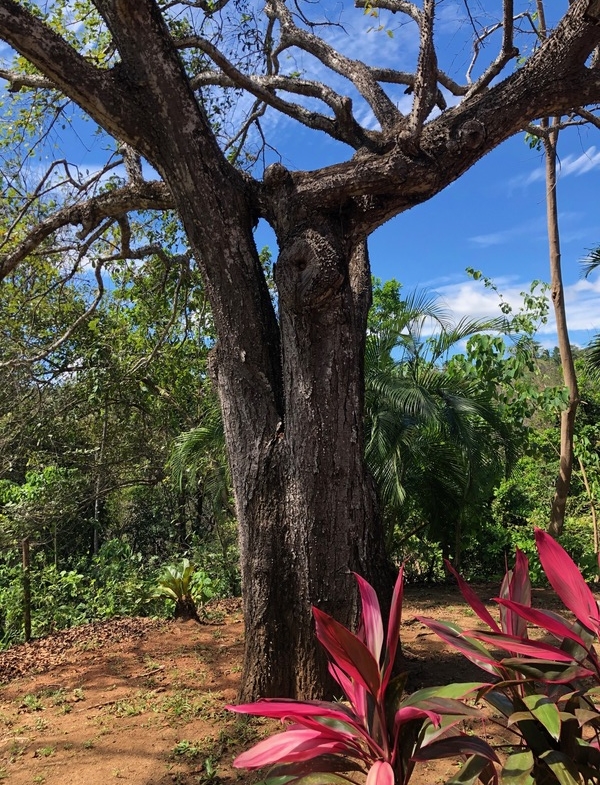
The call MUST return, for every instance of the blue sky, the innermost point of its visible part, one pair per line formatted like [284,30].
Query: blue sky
[492,219]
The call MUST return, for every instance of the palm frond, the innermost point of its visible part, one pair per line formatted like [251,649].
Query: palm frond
[591,262]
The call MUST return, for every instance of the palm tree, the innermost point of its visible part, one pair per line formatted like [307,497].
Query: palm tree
[199,460]
[433,438]
[592,352]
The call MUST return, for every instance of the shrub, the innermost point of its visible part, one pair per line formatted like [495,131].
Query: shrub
[378,730]
[547,693]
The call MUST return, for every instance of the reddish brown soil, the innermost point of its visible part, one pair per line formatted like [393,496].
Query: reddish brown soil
[143,701]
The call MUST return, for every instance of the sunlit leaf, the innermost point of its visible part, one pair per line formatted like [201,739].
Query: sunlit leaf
[517,768]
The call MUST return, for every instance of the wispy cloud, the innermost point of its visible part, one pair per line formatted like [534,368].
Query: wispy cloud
[576,165]
[471,299]
[505,236]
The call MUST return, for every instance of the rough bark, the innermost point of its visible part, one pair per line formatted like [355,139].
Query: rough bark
[567,416]
[291,386]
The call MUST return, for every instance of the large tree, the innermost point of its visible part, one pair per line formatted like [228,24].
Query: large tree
[291,382]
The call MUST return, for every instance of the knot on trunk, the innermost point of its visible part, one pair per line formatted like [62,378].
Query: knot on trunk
[310,269]
[471,134]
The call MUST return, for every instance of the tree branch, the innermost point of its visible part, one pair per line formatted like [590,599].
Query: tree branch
[62,65]
[357,72]
[17,81]
[344,127]
[89,214]
[395,6]
[425,89]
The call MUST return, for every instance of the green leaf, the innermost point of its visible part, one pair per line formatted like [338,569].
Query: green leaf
[470,771]
[561,767]
[458,690]
[546,711]
[517,769]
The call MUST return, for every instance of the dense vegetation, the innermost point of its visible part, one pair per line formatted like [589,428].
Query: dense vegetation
[113,454]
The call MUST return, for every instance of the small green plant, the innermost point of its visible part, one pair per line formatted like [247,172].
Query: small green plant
[187,749]
[176,584]
[45,752]
[32,702]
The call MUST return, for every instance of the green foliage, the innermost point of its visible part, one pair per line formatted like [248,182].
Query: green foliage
[176,580]
[436,442]
[546,693]
[115,582]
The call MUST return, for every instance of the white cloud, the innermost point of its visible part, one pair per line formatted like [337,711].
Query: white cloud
[471,299]
[588,161]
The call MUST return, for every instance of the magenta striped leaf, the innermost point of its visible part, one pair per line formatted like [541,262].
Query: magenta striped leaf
[516,645]
[371,624]
[548,621]
[567,581]
[289,747]
[408,713]
[289,709]
[348,652]
[380,773]
[393,631]
[473,600]
[471,649]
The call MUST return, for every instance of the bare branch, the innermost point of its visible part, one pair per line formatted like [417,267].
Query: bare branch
[507,52]
[344,127]
[17,81]
[90,213]
[425,89]
[40,191]
[395,6]
[589,117]
[357,72]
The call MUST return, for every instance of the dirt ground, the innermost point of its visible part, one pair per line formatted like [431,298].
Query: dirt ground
[143,701]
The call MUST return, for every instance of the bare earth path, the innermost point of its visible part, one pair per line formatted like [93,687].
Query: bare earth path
[143,701]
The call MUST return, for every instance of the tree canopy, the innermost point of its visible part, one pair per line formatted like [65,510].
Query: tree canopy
[182,86]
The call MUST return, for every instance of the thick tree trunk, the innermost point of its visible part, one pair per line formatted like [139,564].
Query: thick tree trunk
[567,417]
[311,521]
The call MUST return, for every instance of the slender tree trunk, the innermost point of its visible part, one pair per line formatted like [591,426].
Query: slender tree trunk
[98,484]
[567,417]
[586,484]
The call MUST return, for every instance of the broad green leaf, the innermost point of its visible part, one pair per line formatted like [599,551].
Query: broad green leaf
[457,690]
[561,766]
[470,771]
[517,769]
[546,711]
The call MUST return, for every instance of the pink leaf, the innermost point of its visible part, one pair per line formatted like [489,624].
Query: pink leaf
[567,581]
[408,713]
[393,631]
[354,691]
[380,773]
[371,625]
[519,590]
[551,622]
[289,747]
[511,643]
[473,600]
[349,653]
[290,709]
[470,649]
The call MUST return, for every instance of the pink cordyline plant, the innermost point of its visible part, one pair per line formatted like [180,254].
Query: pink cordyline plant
[376,730]
[547,694]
